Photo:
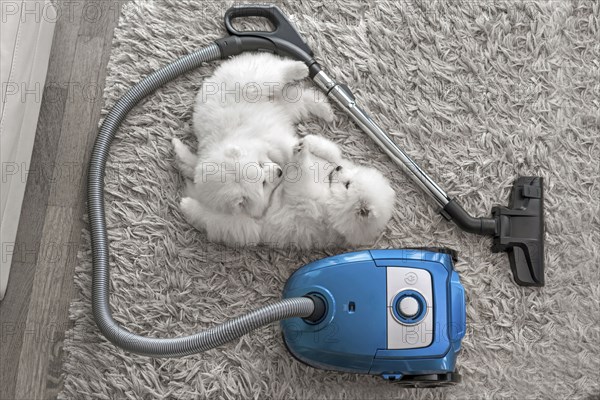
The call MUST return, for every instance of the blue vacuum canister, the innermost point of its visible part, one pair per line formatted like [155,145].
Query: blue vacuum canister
[399,314]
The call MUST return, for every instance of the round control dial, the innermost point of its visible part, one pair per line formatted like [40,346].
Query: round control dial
[408,306]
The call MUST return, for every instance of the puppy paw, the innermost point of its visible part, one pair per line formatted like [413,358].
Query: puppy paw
[194,213]
[178,146]
[324,111]
[301,153]
[295,71]
[323,148]
[184,158]
[187,206]
[300,146]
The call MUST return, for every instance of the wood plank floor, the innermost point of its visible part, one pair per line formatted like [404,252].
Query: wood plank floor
[34,312]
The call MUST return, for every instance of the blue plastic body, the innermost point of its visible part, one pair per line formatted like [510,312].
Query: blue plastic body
[352,337]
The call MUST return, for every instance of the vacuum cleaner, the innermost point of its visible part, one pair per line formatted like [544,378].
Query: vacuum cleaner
[399,314]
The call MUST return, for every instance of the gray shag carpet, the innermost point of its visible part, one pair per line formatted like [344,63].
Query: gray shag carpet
[477,92]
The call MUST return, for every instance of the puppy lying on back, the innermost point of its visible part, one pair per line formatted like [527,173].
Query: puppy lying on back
[244,120]
[322,201]
[332,202]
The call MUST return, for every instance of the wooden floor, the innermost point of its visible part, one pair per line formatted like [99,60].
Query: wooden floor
[34,313]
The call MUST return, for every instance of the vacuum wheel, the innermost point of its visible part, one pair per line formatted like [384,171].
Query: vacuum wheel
[429,381]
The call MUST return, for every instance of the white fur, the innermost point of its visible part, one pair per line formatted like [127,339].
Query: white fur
[334,203]
[244,120]
[238,191]
[323,201]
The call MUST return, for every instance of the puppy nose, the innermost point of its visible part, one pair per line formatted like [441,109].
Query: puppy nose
[338,168]
[279,172]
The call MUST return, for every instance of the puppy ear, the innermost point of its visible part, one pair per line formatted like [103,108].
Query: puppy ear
[233,152]
[239,203]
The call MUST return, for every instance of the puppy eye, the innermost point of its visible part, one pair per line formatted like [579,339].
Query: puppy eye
[347,184]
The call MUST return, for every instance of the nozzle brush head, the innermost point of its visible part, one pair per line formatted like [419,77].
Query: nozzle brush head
[520,231]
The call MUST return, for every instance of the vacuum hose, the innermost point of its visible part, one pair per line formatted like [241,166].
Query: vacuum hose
[169,347]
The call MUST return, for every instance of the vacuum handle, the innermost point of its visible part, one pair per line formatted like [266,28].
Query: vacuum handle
[284,30]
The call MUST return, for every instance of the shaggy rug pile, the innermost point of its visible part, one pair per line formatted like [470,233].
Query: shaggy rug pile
[477,92]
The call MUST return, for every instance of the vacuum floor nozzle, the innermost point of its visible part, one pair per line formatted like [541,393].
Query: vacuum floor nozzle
[520,231]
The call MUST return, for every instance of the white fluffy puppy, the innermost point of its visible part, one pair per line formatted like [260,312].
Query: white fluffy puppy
[244,120]
[323,201]
[331,202]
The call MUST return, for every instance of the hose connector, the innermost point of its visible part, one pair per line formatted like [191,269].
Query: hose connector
[319,311]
